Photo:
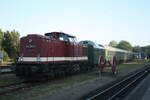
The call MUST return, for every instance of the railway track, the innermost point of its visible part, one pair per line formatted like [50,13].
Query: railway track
[10,88]
[120,89]
[6,69]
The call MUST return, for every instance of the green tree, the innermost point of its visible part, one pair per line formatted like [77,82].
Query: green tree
[136,49]
[10,43]
[113,43]
[5,56]
[125,45]
[145,49]
[1,39]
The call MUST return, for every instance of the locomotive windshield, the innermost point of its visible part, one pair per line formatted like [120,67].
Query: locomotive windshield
[72,39]
[63,38]
[66,38]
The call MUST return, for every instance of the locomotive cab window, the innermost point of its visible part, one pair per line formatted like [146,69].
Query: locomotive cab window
[63,38]
[75,40]
[72,40]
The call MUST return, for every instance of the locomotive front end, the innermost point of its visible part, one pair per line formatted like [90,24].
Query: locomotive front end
[31,56]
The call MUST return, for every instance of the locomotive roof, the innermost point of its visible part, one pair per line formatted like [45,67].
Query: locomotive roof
[47,34]
[36,35]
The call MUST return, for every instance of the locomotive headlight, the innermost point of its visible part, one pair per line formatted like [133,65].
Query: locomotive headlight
[20,59]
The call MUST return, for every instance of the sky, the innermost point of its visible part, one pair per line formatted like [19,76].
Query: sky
[97,20]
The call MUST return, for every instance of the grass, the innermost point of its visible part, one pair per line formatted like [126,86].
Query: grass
[45,90]
[130,65]
[133,64]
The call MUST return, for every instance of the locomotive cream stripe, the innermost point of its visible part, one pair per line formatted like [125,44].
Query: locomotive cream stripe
[43,59]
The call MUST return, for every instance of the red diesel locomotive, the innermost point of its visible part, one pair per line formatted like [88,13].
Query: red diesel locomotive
[54,54]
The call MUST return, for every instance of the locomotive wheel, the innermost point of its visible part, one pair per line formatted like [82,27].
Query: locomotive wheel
[76,68]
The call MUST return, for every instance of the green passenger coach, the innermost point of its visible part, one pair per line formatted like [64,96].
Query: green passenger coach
[119,54]
[103,56]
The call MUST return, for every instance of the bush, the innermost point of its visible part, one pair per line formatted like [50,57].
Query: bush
[5,56]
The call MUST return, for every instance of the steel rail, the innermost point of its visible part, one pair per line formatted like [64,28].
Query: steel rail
[112,92]
[127,86]
[13,84]
[16,86]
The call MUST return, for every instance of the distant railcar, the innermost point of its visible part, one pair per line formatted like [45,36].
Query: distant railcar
[142,55]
